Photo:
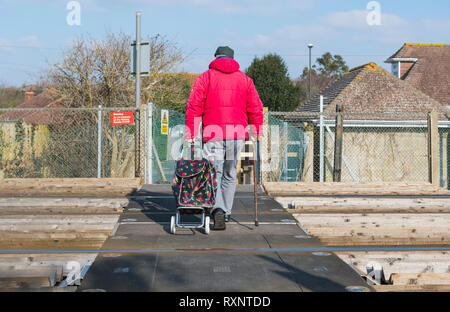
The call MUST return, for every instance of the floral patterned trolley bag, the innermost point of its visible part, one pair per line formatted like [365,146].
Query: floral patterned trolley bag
[194,187]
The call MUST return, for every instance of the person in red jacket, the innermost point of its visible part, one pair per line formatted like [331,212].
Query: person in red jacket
[225,102]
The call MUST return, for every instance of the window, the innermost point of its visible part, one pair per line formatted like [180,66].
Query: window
[396,69]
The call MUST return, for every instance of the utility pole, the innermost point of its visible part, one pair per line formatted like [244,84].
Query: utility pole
[138,93]
[138,59]
[310,46]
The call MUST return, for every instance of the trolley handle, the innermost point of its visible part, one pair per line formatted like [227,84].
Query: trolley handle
[192,148]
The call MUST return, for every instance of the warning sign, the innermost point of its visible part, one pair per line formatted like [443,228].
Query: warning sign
[122,118]
[165,118]
[164,121]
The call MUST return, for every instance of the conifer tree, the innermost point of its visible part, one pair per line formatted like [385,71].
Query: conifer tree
[275,88]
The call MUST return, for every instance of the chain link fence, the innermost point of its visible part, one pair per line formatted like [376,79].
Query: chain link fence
[284,149]
[64,143]
[72,143]
[376,147]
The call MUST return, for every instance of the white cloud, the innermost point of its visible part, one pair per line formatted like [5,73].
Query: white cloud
[30,41]
[393,28]
[348,28]
[290,38]
[437,30]
[358,19]
[6,45]
[337,26]
[232,6]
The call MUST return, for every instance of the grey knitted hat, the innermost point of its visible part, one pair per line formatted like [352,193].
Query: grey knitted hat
[225,51]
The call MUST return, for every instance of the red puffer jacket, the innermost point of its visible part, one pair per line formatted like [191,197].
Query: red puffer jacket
[225,100]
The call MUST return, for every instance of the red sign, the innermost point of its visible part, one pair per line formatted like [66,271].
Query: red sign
[122,118]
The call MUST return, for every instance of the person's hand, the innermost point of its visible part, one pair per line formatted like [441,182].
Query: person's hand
[254,138]
[191,141]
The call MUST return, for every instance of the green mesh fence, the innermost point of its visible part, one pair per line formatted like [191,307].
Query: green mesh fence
[287,150]
[167,144]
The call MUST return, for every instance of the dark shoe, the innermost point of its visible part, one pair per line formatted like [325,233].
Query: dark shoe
[219,220]
[227,218]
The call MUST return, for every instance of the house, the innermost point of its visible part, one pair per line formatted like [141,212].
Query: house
[46,99]
[369,89]
[385,134]
[426,67]
[24,133]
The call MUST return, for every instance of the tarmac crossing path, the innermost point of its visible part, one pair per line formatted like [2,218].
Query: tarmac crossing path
[278,256]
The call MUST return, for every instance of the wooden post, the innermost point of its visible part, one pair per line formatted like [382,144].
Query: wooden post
[338,145]
[433,148]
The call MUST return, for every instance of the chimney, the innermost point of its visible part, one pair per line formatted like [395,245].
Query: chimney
[29,94]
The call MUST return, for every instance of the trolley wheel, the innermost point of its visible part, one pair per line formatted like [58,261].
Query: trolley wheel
[172,225]
[207,223]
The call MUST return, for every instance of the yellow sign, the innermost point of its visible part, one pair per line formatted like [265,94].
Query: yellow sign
[164,121]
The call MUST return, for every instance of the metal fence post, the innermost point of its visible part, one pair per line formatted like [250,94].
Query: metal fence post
[142,126]
[265,147]
[136,144]
[447,164]
[285,161]
[321,138]
[150,144]
[99,143]
[144,146]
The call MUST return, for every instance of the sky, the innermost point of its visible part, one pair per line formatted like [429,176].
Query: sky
[35,33]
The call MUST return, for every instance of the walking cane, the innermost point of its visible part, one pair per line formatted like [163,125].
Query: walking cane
[255,180]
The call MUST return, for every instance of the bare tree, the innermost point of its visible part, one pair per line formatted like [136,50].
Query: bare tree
[97,72]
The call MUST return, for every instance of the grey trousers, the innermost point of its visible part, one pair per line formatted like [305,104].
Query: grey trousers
[225,156]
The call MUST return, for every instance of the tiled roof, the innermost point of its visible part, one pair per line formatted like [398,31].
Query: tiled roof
[413,50]
[329,93]
[371,89]
[47,99]
[431,73]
